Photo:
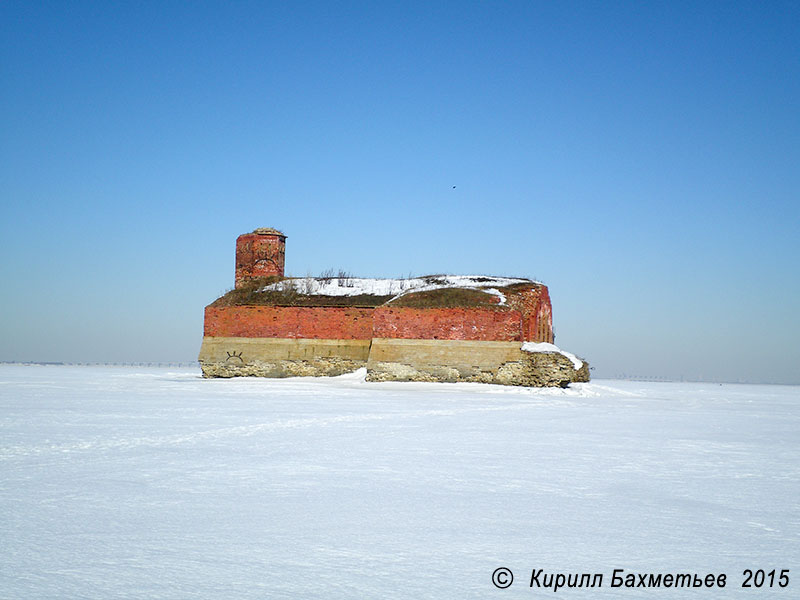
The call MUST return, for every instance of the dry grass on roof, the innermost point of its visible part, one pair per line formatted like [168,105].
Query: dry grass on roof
[520,287]
[252,294]
[453,297]
[268,231]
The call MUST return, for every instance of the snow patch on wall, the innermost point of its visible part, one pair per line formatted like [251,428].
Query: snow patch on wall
[498,293]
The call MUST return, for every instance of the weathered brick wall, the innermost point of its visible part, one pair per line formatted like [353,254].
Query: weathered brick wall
[537,319]
[259,255]
[447,324]
[527,318]
[332,323]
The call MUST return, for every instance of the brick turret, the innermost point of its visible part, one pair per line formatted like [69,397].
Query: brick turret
[259,254]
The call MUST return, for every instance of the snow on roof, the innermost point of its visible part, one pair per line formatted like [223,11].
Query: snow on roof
[357,286]
[545,347]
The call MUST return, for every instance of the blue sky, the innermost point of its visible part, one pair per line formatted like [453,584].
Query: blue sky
[639,158]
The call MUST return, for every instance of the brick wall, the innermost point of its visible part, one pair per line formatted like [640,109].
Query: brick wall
[447,324]
[528,317]
[289,322]
[534,305]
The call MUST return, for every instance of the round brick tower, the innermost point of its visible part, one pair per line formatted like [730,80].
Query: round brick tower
[259,254]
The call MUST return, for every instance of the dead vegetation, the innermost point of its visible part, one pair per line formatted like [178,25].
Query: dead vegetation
[288,291]
[448,298]
[248,293]
[291,292]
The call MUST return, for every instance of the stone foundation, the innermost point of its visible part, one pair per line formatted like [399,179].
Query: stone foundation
[388,359]
[319,367]
[279,357]
[502,363]
[542,369]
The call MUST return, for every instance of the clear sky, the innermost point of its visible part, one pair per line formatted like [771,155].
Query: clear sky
[642,159]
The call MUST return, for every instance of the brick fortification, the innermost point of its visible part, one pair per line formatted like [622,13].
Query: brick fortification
[260,254]
[481,343]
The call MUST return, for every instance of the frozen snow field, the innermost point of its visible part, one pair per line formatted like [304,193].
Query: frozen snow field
[156,483]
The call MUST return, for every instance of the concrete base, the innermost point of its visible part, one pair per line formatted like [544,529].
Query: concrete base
[389,360]
[483,362]
[280,357]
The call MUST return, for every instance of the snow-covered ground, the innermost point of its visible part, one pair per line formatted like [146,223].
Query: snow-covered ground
[155,483]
